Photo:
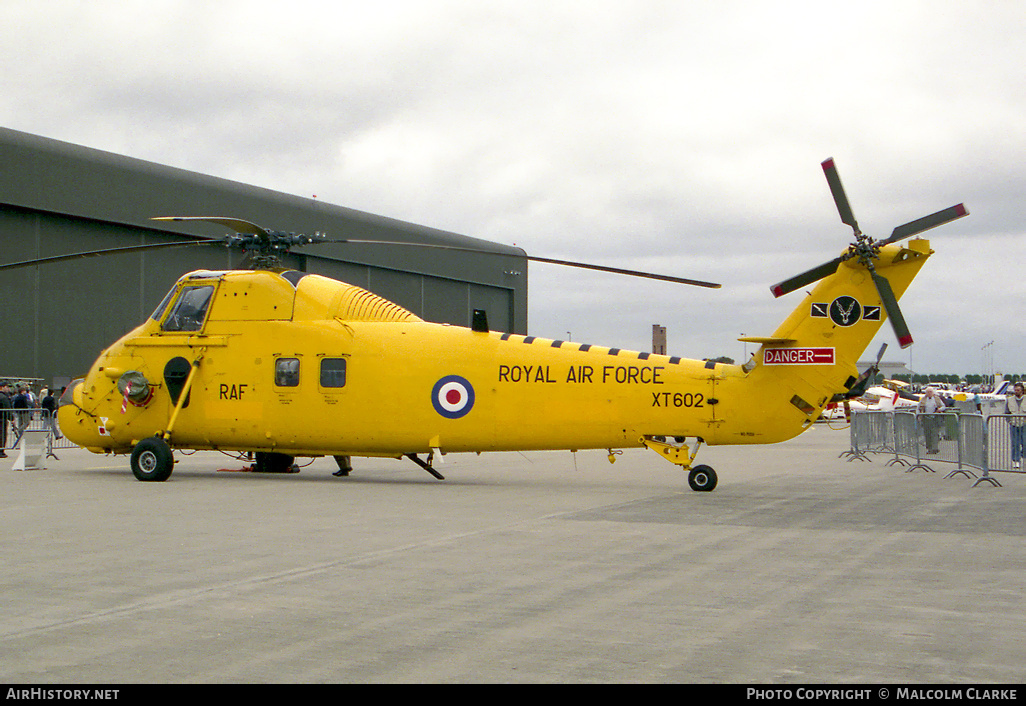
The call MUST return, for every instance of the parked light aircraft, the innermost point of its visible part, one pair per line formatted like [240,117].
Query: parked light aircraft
[984,402]
[878,398]
[284,364]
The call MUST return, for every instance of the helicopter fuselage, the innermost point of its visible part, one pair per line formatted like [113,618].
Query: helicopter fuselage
[303,365]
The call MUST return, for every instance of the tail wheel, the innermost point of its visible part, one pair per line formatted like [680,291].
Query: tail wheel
[152,460]
[702,478]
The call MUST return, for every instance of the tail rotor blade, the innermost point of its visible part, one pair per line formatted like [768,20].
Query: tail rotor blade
[808,277]
[890,304]
[840,198]
[862,384]
[926,223]
[879,356]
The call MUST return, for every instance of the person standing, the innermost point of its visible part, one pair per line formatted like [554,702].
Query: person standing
[930,405]
[6,411]
[1015,406]
[23,404]
[48,405]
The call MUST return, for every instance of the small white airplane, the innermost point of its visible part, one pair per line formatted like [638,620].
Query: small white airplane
[888,399]
[876,399]
[993,399]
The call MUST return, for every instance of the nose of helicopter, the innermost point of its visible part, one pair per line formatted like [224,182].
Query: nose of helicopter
[79,426]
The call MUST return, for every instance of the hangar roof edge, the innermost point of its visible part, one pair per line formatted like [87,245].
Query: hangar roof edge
[50,175]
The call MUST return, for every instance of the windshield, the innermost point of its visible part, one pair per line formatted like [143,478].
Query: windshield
[67,397]
[190,310]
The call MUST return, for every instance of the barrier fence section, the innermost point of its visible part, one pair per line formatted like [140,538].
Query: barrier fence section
[906,439]
[14,422]
[1004,442]
[872,433]
[996,442]
[973,441]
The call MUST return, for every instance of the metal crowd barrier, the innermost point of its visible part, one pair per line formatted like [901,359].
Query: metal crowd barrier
[971,442]
[14,422]
[873,432]
[1001,455]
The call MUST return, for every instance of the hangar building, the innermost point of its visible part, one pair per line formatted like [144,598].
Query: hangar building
[57,198]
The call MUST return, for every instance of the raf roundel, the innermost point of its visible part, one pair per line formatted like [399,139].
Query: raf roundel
[452,396]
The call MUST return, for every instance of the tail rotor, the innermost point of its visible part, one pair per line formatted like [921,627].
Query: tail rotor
[867,252]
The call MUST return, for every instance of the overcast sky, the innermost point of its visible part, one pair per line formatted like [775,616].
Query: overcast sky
[678,137]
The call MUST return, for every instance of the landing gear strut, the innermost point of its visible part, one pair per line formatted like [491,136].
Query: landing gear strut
[426,465]
[701,478]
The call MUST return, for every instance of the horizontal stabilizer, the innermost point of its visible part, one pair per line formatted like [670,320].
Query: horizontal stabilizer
[768,340]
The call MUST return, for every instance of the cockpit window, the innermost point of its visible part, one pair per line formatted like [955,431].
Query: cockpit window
[190,310]
[68,395]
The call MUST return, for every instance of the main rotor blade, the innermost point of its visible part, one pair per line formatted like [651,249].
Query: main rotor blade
[808,277]
[890,304]
[533,258]
[840,198]
[236,224]
[107,251]
[926,223]
[621,271]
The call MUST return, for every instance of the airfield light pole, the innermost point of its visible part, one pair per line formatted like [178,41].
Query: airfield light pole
[986,353]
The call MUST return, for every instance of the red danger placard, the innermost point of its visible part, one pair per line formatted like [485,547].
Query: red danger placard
[799,356]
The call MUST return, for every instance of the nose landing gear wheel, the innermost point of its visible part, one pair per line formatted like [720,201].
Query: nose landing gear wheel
[702,478]
[152,460]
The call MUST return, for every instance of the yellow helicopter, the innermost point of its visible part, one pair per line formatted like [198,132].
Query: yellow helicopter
[283,364]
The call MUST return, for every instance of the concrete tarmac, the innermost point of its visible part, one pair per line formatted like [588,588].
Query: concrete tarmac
[800,567]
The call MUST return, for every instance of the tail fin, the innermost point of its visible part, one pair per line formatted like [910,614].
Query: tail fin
[813,354]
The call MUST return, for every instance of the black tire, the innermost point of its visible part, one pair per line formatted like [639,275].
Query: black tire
[152,460]
[702,479]
[267,462]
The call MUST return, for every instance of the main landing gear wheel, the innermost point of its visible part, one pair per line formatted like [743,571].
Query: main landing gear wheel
[267,462]
[702,478]
[152,460]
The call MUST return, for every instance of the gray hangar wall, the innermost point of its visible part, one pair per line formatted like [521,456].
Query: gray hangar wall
[57,198]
